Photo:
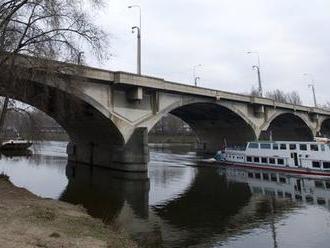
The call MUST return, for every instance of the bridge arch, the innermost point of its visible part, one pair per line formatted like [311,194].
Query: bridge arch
[93,135]
[287,126]
[325,128]
[213,123]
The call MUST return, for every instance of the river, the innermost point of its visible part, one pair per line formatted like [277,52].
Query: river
[182,203]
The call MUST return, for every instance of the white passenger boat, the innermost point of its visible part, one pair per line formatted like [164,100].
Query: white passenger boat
[312,158]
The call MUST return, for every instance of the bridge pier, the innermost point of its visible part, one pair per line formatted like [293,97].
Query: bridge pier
[131,157]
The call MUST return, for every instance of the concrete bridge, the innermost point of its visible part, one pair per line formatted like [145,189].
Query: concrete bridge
[108,114]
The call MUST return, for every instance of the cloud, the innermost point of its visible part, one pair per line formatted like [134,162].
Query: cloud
[290,36]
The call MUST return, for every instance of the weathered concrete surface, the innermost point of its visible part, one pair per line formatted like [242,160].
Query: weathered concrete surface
[108,114]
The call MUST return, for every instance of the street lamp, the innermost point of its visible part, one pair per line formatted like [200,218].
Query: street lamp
[194,74]
[257,68]
[313,89]
[139,29]
[311,85]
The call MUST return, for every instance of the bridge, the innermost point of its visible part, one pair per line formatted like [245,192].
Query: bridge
[108,114]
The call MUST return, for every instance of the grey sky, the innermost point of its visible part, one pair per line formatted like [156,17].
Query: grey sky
[292,38]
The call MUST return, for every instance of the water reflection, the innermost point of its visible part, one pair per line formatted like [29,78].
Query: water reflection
[179,205]
[104,192]
[281,185]
[18,153]
[210,209]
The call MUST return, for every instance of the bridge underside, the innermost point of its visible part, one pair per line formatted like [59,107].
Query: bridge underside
[215,125]
[288,127]
[325,128]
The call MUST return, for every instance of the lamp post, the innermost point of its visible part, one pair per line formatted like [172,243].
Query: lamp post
[257,68]
[194,74]
[139,29]
[314,97]
[311,85]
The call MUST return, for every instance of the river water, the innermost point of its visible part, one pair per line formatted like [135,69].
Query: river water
[182,203]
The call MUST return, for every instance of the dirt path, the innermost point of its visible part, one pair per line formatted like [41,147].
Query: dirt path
[30,221]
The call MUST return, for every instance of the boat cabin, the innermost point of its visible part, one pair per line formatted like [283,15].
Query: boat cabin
[313,155]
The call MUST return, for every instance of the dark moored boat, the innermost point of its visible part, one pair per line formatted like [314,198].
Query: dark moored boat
[15,145]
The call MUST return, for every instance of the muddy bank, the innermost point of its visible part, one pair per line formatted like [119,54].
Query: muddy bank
[30,221]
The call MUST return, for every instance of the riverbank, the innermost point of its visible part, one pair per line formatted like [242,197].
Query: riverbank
[27,220]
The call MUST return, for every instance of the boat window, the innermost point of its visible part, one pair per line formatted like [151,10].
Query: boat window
[327,185]
[250,175]
[292,147]
[264,160]
[326,165]
[322,147]
[272,160]
[258,175]
[273,177]
[314,147]
[280,194]
[282,179]
[265,176]
[256,159]
[320,201]
[254,145]
[309,198]
[265,146]
[298,197]
[275,146]
[280,161]
[319,184]
[249,159]
[316,164]
[283,146]
[303,147]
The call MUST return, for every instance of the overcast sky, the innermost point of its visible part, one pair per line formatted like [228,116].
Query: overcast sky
[292,38]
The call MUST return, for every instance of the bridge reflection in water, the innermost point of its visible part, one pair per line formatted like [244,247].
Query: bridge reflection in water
[215,206]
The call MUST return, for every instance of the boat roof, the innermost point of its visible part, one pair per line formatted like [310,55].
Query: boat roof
[286,142]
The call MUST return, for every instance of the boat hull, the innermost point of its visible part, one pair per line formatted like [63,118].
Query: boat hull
[15,146]
[302,171]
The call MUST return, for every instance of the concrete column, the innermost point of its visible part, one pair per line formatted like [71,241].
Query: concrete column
[136,151]
[131,157]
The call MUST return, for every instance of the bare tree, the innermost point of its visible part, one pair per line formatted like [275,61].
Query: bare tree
[55,29]
[294,98]
[49,29]
[280,96]
[277,95]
